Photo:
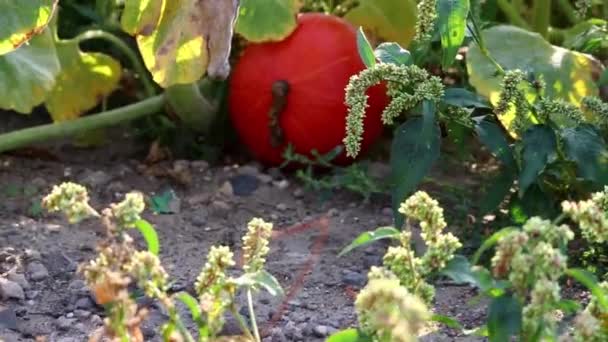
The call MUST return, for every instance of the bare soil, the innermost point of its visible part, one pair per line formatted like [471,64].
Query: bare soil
[214,204]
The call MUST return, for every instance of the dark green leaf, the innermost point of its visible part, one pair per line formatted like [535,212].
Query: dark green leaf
[539,147]
[348,335]
[461,97]
[369,237]
[365,49]
[499,188]
[452,21]
[149,234]
[459,270]
[603,80]
[415,148]
[491,241]
[495,140]
[585,146]
[504,318]
[589,280]
[393,53]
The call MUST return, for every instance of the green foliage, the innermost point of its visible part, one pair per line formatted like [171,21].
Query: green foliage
[452,21]
[21,21]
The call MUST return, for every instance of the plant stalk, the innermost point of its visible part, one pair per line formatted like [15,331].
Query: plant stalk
[27,136]
[241,322]
[125,49]
[254,324]
[542,16]
[511,12]
[568,11]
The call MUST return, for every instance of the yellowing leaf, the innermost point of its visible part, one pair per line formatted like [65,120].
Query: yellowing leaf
[20,20]
[84,80]
[267,20]
[28,73]
[193,36]
[140,17]
[568,74]
[392,20]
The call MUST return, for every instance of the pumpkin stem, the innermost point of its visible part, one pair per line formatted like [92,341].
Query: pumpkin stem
[280,89]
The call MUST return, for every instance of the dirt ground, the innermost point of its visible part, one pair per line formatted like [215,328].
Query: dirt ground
[41,252]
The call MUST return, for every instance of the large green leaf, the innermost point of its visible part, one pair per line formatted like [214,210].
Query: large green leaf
[452,20]
[568,74]
[21,20]
[192,37]
[389,19]
[140,17]
[85,78]
[389,52]
[414,150]
[367,238]
[28,74]
[267,20]
[504,318]
[539,147]
[585,146]
[366,52]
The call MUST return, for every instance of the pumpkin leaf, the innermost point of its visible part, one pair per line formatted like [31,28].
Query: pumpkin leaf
[415,148]
[28,74]
[366,52]
[567,74]
[452,22]
[585,146]
[140,17]
[389,19]
[85,78]
[267,20]
[389,52]
[539,147]
[21,20]
[192,37]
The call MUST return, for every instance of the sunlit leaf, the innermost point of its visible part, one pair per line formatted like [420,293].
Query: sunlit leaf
[192,37]
[367,238]
[452,21]
[150,235]
[140,17]
[267,20]
[21,20]
[366,52]
[348,335]
[447,321]
[28,74]
[389,19]
[568,74]
[192,305]
[84,80]
[389,52]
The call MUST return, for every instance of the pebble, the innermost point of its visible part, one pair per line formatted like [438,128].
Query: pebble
[333,212]
[264,178]
[282,184]
[32,254]
[353,278]
[78,286]
[82,313]
[298,193]
[11,290]
[64,323]
[96,320]
[19,278]
[37,271]
[276,335]
[199,165]
[226,189]
[292,332]
[244,184]
[96,179]
[8,318]
[387,211]
[322,330]
[38,182]
[249,170]
[220,207]
[281,206]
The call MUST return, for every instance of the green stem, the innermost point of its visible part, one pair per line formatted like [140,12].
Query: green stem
[541,16]
[254,324]
[241,322]
[511,12]
[182,329]
[568,11]
[124,48]
[27,136]
[477,35]
[559,219]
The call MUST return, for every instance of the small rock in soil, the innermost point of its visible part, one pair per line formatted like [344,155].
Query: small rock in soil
[264,178]
[37,271]
[219,208]
[64,323]
[353,278]
[276,335]
[281,206]
[11,290]
[8,318]
[282,184]
[244,184]
[250,170]
[199,165]
[19,278]
[82,313]
[292,332]
[226,189]
[96,320]
[32,254]
[322,330]
[96,179]
[85,303]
